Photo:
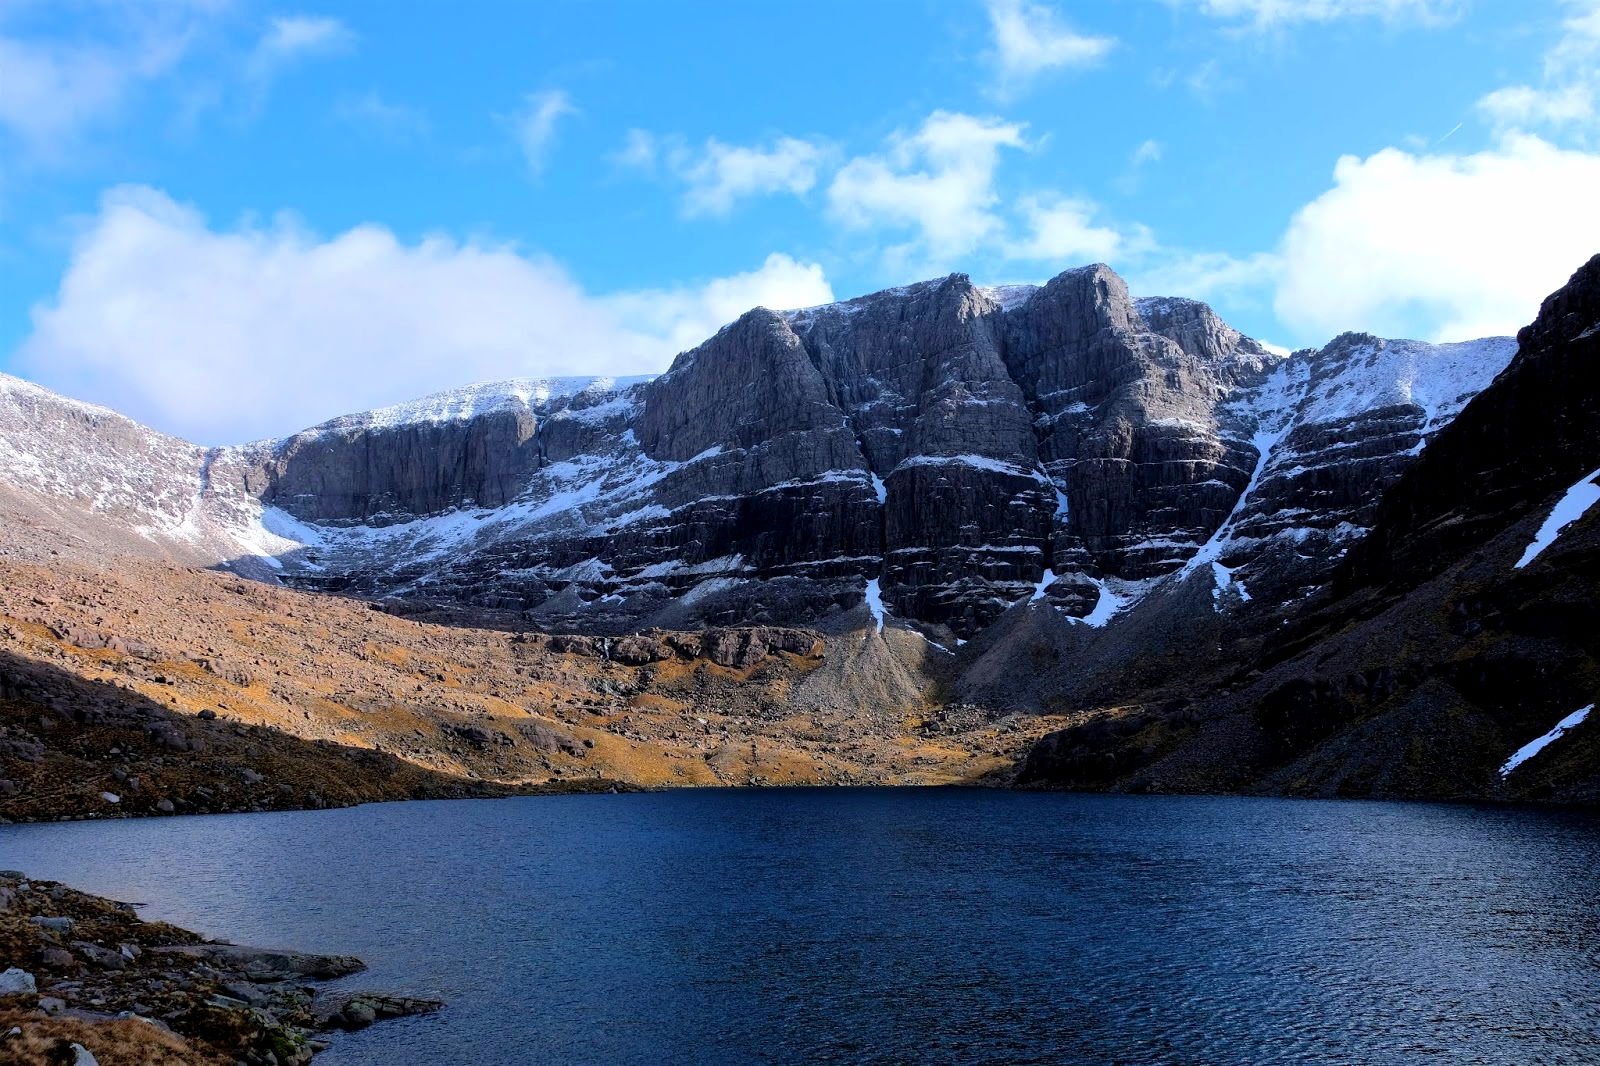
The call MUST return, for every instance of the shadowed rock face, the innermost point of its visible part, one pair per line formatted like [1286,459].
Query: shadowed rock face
[1536,430]
[968,448]
[1443,642]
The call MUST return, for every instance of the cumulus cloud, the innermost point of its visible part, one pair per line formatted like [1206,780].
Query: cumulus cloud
[717,176]
[675,319]
[227,334]
[1568,93]
[1448,246]
[1216,277]
[1031,39]
[937,181]
[535,125]
[1064,230]
[1522,106]
[1277,12]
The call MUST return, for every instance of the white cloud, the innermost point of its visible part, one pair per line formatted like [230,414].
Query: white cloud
[1276,12]
[262,329]
[937,181]
[719,175]
[1571,85]
[1523,107]
[57,86]
[679,318]
[640,149]
[289,37]
[1063,230]
[372,111]
[53,89]
[1215,277]
[1031,39]
[535,125]
[1447,246]
[1147,154]
[726,173]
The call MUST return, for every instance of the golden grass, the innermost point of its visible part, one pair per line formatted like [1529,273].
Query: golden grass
[113,1043]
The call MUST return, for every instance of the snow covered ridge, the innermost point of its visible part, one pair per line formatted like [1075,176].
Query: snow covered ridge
[1306,416]
[141,489]
[473,401]
[1358,373]
[15,390]
[1008,296]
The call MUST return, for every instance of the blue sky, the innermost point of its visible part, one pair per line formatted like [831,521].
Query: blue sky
[231,219]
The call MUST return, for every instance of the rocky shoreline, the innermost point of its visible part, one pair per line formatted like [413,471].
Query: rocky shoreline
[85,982]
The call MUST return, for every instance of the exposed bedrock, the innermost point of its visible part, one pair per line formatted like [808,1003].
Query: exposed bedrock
[968,448]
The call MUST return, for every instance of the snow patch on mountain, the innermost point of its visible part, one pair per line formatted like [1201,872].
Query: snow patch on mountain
[980,462]
[586,494]
[1376,373]
[1573,505]
[874,601]
[1009,297]
[1110,604]
[1538,744]
[1272,409]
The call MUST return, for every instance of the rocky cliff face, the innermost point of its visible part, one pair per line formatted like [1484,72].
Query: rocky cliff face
[1536,431]
[960,450]
[968,449]
[1453,638]
[473,448]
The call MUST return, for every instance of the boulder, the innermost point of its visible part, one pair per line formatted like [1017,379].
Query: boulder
[15,982]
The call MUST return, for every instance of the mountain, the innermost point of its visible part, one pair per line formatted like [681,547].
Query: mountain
[1052,534]
[1451,642]
[966,449]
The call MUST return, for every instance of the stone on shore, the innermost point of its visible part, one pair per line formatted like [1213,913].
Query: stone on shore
[266,964]
[15,982]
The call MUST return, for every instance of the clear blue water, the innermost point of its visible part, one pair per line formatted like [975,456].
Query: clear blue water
[903,926]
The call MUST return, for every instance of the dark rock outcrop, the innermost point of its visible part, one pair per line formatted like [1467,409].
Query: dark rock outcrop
[1535,430]
[1442,645]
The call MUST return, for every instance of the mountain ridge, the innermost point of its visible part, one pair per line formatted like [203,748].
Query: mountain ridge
[954,442]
